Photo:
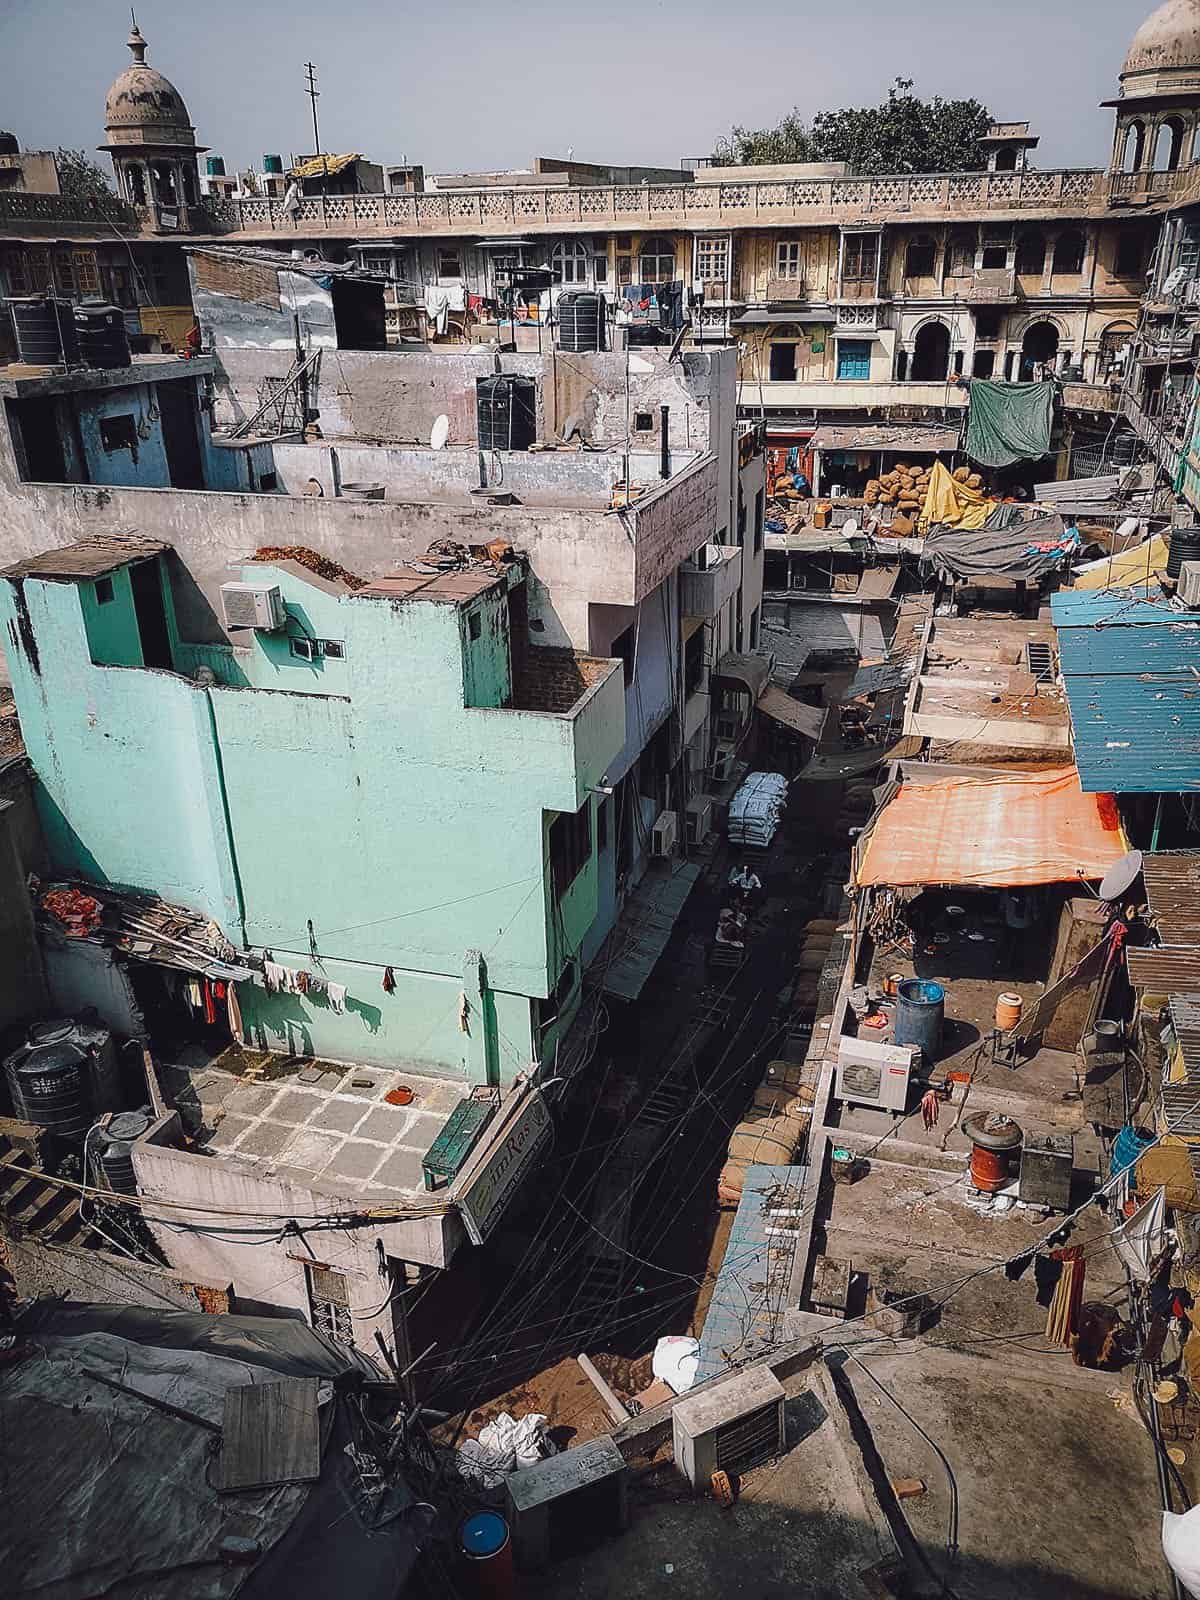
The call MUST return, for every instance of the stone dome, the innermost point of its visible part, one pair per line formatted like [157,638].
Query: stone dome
[1165,52]
[143,107]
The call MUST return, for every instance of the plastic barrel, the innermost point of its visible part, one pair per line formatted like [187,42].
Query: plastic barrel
[1008,1011]
[920,1008]
[1127,1147]
[485,1545]
[1184,546]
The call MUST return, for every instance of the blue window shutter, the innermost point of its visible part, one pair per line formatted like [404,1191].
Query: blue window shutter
[854,359]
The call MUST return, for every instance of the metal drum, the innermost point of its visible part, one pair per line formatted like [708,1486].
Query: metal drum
[920,1010]
[485,1547]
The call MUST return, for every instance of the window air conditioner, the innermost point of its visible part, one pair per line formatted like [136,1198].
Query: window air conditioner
[664,835]
[252,605]
[872,1074]
[1189,583]
[722,763]
[698,819]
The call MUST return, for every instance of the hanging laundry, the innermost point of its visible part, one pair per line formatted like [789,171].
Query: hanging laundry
[437,306]
[302,983]
[389,981]
[274,976]
[291,981]
[337,997]
[192,995]
[210,1005]
[234,1013]
[317,986]
[218,989]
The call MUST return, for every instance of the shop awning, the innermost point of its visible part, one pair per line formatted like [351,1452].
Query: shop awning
[746,672]
[913,441]
[1002,830]
[760,317]
[794,714]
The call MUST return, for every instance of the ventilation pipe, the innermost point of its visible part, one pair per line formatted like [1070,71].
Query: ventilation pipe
[664,442]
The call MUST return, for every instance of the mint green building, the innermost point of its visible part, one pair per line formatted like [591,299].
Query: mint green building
[390,782]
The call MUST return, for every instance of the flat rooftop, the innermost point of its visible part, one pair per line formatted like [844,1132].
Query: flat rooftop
[975,687]
[322,1125]
[19,381]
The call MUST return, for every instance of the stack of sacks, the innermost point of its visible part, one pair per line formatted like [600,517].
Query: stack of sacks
[756,808]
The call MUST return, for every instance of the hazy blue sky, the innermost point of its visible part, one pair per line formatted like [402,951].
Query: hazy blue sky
[460,84]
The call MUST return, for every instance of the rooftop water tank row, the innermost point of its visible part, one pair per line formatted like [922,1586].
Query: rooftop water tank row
[54,333]
[64,1077]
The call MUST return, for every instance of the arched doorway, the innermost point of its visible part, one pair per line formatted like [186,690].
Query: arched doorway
[1006,159]
[931,353]
[1038,349]
[1169,146]
[1132,147]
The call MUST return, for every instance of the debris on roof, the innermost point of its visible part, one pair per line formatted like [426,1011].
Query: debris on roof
[93,557]
[324,166]
[313,561]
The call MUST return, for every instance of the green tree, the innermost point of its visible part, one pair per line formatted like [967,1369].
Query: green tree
[903,134]
[80,177]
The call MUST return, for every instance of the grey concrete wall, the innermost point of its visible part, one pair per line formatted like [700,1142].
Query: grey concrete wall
[97,1277]
[394,396]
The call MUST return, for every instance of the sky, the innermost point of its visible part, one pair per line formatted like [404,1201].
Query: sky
[463,86]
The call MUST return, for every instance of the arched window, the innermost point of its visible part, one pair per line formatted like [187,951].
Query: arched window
[1131,150]
[135,185]
[568,261]
[1038,348]
[1031,253]
[919,257]
[1169,145]
[1006,159]
[189,184]
[931,353]
[1068,252]
[656,264]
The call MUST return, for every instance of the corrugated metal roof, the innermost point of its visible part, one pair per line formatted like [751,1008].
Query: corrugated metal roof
[1131,668]
[1163,968]
[1172,879]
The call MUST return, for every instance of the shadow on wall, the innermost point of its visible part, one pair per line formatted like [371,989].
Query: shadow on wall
[66,850]
[198,622]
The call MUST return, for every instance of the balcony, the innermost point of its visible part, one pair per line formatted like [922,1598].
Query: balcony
[991,286]
[710,579]
[861,317]
[848,395]
[748,203]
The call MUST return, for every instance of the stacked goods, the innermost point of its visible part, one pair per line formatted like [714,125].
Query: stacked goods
[904,487]
[814,953]
[763,1136]
[973,480]
[756,808]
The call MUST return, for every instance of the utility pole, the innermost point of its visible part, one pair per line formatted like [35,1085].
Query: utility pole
[314,94]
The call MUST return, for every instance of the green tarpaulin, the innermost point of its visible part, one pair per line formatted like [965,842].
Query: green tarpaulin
[1008,422]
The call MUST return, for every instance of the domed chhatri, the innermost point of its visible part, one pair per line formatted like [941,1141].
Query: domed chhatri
[143,99]
[1159,98]
[151,138]
[1164,57]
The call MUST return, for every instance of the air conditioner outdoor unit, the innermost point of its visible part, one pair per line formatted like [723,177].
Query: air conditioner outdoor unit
[732,1427]
[1189,583]
[873,1074]
[698,819]
[665,835]
[253,605]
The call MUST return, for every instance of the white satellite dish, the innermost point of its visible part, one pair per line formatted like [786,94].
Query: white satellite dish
[1120,876]
[439,433]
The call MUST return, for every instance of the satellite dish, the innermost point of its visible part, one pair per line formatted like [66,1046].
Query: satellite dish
[1120,876]
[439,433]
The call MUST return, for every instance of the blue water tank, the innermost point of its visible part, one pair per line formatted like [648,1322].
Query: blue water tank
[920,1011]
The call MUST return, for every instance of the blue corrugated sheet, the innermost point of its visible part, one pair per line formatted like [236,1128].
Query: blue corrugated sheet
[745,1313]
[1132,674]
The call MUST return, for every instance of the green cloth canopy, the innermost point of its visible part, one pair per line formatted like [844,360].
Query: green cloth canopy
[1009,422]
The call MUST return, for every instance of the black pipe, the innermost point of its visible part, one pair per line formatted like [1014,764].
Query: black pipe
[664,442]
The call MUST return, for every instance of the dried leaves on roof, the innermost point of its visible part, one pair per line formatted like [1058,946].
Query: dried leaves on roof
[313,561]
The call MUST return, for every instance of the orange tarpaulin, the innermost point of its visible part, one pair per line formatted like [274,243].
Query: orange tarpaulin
[1000,831]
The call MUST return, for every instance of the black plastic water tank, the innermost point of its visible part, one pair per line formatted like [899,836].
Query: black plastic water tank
[116,1153]
[45,330]
[103,337]
[9,144]
[90,1035]
[506,407]
[49,1087]
[581,324]
[1184,546]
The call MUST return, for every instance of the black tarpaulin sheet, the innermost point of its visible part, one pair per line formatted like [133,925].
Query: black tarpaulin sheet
[1008,551]
[1008,422]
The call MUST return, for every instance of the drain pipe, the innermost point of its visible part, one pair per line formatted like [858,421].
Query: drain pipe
[664,442]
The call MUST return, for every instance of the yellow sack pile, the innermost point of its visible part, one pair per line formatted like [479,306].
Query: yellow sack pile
[957,501]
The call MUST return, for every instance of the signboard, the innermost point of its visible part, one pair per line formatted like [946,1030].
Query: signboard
[509,1157]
